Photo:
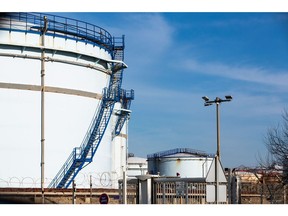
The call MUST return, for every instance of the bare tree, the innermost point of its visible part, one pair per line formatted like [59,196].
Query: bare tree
[276,142]
[274,166]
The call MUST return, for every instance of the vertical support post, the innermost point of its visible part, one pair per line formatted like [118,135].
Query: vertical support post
[42,105]
[262,191]
[217,158]
[126,163]
[218,129]
[284,193]
[163,193]
[186,192]
[216,180]
[139,192]
[73,192]
[229,186]
[90,189]
[124,187]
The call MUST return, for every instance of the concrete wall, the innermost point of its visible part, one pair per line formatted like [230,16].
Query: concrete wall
[56,196]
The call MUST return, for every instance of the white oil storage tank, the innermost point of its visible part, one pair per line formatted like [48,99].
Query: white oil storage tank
[180,162]
[62,105]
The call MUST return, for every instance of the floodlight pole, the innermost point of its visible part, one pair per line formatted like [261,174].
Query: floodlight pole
[217,101]
[217,158]
[218,129]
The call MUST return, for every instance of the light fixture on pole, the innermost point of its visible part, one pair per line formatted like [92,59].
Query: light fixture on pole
[217,101]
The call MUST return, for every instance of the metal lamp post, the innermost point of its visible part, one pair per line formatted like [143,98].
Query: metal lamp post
[217,101]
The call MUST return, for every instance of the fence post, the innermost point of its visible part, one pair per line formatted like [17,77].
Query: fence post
[90,189]
[73,192]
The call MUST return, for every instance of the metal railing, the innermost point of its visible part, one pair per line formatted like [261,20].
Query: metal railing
[177,150]
[58,26]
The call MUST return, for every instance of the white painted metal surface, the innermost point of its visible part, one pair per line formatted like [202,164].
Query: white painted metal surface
[71,65]
[137,166]
[186,165]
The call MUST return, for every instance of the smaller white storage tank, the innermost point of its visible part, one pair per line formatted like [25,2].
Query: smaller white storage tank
[136,165]
[182,162]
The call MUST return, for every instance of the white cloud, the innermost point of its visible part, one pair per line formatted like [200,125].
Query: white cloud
[148,35]
[150,30]
[249,74]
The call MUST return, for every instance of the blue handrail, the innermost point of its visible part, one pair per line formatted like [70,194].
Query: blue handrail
[58,26]
[178,150]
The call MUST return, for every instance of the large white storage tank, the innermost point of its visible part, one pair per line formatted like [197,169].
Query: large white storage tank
[78,61]
[181,162]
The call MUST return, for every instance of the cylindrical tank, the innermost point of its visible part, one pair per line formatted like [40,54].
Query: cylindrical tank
[180,162]
[78,57]
[136,166]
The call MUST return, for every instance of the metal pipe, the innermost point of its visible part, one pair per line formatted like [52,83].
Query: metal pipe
[42,105]
[124,187]
[126,165]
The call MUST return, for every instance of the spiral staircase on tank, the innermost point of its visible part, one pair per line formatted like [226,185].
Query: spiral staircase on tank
[83,155]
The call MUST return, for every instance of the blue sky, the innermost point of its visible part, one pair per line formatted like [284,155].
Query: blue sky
[176,58]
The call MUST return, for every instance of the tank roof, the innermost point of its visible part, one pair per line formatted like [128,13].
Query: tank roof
[179,152]
[134,160]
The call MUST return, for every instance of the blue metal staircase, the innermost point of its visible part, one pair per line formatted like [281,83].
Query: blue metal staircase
[83,155]
[123,114]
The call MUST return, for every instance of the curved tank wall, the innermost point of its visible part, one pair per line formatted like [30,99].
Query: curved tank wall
[75,74]
[136,166]
[185,167]
[181,162]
